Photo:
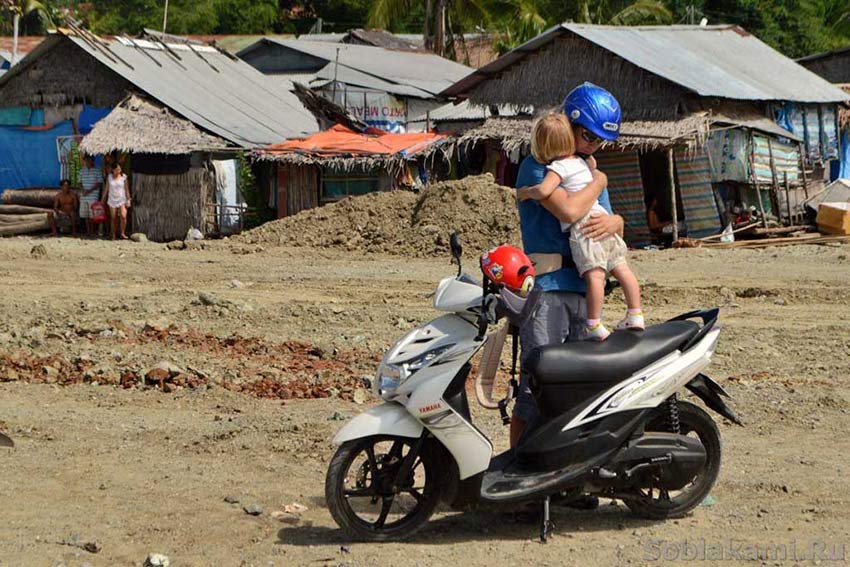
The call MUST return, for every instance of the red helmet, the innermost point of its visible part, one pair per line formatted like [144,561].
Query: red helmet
[509,266]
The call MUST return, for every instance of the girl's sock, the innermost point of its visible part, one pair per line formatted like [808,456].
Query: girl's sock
[637,311]
[593,322]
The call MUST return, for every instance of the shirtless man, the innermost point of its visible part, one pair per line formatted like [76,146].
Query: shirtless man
[65,207]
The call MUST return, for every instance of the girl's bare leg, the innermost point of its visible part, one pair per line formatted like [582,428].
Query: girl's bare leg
[113,222]
[629,282]
[123,222]
[595,280]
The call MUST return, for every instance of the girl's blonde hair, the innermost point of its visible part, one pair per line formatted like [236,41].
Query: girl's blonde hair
[552,137]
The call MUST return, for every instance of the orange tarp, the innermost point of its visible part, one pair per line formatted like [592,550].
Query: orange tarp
[340,140]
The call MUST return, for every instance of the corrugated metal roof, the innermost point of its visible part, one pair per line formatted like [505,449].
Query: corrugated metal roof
[349,76]
[285,81]
[716,61]
[424,71]
[215,91]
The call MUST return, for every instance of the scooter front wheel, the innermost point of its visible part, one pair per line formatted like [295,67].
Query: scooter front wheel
[373,496]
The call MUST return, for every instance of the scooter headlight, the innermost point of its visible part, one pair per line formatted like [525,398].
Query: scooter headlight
[391,376]
[387,380]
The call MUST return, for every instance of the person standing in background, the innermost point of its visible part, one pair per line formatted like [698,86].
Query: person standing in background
[91,179]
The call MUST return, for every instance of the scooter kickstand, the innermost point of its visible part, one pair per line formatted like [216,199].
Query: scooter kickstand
[546,524]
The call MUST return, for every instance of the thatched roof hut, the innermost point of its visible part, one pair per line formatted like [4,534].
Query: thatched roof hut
[373,160]
[515,133]
[140,125]
[343,148]
[212,89]
[657,72]
[724,107]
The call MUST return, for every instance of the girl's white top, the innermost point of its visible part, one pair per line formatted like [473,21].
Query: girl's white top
[117,191]
[575,175]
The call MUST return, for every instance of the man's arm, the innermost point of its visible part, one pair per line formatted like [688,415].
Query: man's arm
[542,190]
[95,187]
[599,226]
[570,206]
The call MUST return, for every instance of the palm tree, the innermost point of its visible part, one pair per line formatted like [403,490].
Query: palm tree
[525,19]
[623,13]
[520,22]
[20,9]
[835,16]
[439,17]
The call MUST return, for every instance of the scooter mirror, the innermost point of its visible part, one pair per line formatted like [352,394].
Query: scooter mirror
[457,250]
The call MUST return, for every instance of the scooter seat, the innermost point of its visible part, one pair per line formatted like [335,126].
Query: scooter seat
[612,360]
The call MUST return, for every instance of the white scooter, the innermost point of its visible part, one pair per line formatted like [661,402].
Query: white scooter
[610,425]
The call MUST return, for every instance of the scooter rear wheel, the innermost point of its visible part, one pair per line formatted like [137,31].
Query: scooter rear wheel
[658,504]
[362,493]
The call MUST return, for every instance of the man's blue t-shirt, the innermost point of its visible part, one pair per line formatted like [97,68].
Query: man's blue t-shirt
[541,231]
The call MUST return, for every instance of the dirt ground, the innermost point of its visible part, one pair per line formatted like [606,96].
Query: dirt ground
[143,386]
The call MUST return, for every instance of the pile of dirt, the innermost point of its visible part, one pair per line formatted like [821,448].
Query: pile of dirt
[399,222]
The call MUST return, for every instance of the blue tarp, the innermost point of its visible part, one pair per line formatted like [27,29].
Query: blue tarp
[37,117]
[15,116]
[844,171]
[90,116]
[29,157]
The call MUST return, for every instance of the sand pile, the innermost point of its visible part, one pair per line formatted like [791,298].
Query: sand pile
[403,223]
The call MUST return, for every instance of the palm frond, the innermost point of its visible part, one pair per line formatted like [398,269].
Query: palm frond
[470,13]
[384,12]
[842,24]
[523,23]
[643,12]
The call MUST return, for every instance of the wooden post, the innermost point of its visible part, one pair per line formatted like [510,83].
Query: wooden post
[788,199]
[774,182]
[674,210]
[803,171]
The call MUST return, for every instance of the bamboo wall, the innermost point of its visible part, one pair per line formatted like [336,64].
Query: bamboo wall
[166,206]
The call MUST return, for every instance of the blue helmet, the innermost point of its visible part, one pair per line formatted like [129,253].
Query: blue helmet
[595,109]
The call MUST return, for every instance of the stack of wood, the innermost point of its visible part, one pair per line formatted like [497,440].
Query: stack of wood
[25,211]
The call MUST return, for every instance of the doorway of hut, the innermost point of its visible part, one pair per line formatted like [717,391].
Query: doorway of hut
[655,176]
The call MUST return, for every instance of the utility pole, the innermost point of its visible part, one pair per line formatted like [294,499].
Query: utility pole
[336,70]
[164,21]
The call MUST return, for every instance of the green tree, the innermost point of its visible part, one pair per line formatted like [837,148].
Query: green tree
[246,16]
[443,18]
[519,21]
[186,17]
[834,15]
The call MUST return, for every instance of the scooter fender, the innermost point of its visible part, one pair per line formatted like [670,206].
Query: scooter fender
[386,419]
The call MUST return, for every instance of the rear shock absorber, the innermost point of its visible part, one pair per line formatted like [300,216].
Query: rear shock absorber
[673,414]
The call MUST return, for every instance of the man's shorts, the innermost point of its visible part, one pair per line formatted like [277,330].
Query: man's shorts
[63,220]
[589,254]
[558,316]
[85,206]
